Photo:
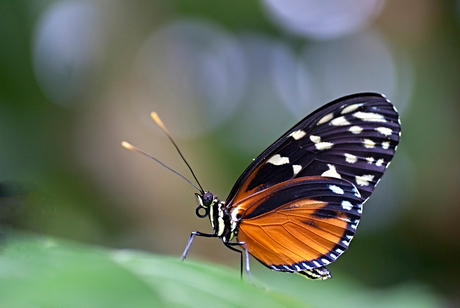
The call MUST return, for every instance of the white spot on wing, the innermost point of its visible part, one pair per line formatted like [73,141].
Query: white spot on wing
[369,116]
[379,162]
[340,121]
[323,145]
[385,145]
[350,158]
[325,119]
[346,205]
[315,139]
[320,145]
[384,130]
[235,213]
[351,108]
[298,134]
[296,169]
[370,160]
[363,180]
[332,172]
[278,160]
[368,143]
[355,129]
[336,189]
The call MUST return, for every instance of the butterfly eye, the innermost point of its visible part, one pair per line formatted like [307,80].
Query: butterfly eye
[207,199]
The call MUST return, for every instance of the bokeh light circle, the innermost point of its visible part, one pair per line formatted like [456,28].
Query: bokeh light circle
[192,73]
[326,19]
[67,50]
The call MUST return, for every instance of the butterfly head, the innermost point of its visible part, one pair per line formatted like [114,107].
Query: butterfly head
[205,202]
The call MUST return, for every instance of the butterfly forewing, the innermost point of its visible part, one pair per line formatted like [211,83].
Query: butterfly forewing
[353,138]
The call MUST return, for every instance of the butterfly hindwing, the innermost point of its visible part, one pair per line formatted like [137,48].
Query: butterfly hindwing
[353,138]
[302,225]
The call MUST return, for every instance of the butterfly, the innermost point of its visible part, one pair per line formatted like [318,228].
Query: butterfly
[297,205]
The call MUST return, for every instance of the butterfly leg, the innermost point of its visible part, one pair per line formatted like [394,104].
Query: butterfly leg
[190,241]
[228,245]
[246,257]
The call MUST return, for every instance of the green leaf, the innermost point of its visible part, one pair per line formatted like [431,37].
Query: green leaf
[43,272]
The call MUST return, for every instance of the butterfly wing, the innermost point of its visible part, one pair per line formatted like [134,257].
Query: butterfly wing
[298,204]
[302,225]
[353,138]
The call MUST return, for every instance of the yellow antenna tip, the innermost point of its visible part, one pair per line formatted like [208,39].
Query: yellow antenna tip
[157,120]
[127,145]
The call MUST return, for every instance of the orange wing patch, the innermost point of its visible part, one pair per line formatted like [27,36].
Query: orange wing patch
[244,191]
[292,234]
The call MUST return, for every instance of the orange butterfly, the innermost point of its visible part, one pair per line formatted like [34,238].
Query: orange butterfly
[298,204]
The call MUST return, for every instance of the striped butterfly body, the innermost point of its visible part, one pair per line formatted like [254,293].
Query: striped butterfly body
[298,204]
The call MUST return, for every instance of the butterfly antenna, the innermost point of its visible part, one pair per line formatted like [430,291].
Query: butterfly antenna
[133,148]
[158,121]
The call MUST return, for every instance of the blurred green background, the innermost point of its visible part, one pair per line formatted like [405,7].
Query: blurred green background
[227,78]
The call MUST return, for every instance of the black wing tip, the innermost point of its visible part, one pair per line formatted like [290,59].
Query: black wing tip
[360,95]
[363,94]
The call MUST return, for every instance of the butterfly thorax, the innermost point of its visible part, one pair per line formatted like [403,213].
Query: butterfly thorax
[220,218]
